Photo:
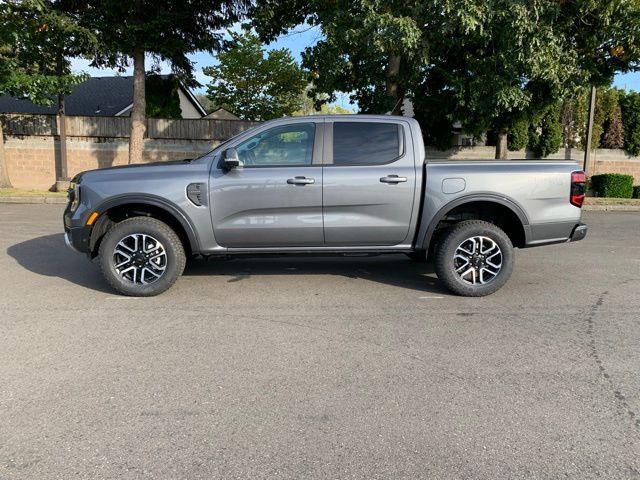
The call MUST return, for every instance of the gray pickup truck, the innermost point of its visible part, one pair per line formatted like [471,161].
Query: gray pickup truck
[353,184]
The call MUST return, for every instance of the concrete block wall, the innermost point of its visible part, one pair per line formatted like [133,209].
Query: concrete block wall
[31,160]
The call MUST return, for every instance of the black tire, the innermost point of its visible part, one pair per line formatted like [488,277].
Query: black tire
[445,265]
[174,261]
[419,256]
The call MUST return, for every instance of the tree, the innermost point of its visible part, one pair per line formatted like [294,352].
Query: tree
[614,130]
[310,106]
[163,29]
[369,50]
[253,84]
[162,98]
[37,37]
[630,104]
[575,113]
[486,64]
[207,104]
[545,131]
[518,137]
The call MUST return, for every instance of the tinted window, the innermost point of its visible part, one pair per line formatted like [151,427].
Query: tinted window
[365,143]
[289,145]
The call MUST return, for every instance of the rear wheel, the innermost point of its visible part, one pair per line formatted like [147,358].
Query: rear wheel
[141,257]
[474,258]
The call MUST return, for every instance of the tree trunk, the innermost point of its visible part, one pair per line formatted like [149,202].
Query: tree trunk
[502,149]
[136,140]
[4,174]
[62,174]
[393,89]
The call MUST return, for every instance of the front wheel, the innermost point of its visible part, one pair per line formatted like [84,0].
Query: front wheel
[474,258]
[141,257]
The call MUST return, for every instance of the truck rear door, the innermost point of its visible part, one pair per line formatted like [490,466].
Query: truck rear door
[369,181]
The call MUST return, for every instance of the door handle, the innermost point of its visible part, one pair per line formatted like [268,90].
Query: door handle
[393,179]
[301,181]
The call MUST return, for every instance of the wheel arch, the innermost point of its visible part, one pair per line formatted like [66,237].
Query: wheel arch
[481,207]
[126,206]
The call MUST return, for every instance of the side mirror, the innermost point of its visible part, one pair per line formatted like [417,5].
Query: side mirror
[230,159]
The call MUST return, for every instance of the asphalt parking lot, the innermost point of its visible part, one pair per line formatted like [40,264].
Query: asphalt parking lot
[320,368]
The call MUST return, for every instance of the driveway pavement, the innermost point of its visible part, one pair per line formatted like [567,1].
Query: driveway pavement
[320,368]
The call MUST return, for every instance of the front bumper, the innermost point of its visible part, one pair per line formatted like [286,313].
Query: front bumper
[579,232]
[77,239]
[76,233]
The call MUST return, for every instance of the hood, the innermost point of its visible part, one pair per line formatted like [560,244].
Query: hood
[134,167]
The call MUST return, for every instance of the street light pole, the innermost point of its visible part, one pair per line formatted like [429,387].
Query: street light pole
[587,149]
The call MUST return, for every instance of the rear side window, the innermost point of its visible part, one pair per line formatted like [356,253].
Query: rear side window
[366,143]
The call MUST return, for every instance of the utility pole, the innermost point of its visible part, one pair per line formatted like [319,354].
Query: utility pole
[587,149]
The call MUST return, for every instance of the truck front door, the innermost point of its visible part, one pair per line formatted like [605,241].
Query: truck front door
[275,198]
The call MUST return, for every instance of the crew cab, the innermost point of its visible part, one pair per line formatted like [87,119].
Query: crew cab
[323,185]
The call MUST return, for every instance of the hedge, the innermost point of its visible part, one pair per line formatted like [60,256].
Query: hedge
[636,191]
[613,185]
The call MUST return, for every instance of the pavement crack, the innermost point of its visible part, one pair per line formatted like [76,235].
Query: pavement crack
[593,352]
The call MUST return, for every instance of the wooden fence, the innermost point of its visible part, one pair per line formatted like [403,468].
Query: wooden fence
[118,127]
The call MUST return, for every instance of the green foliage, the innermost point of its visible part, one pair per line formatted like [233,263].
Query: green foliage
[483,63]
[636,191]
[253,85]
[614,185]
[207,104]
[37,37]
[575,113]
[545,132]
[630,104]
[310,106]
[165,29]
[518,136]
[370,49]
[162,97]
[613,130]
[325,109]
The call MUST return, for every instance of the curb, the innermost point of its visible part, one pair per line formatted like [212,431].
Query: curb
[36,199]
[611,208]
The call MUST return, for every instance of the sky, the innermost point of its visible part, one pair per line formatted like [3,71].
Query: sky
[296,41]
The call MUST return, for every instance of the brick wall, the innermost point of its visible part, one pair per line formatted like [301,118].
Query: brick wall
[602,161]
[31,160]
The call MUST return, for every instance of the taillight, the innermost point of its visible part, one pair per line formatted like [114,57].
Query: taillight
[578,180]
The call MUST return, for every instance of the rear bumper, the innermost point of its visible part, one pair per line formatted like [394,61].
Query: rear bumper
[550,233]
[579,232]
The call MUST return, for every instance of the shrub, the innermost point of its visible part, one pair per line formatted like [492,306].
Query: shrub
[518,136]
[545,132]
[636,191]
[613,185]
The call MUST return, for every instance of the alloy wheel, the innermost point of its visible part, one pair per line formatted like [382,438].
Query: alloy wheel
[140,259]
[478,260]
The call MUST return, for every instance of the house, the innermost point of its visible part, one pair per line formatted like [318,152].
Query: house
[222,114]
[101,96]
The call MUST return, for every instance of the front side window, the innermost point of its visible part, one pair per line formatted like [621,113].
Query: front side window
[285,146]
[365,143]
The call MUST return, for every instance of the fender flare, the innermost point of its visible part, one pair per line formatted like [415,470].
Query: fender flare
[425,234]
[158,202]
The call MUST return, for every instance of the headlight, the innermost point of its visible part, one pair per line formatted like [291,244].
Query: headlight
[73,195]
